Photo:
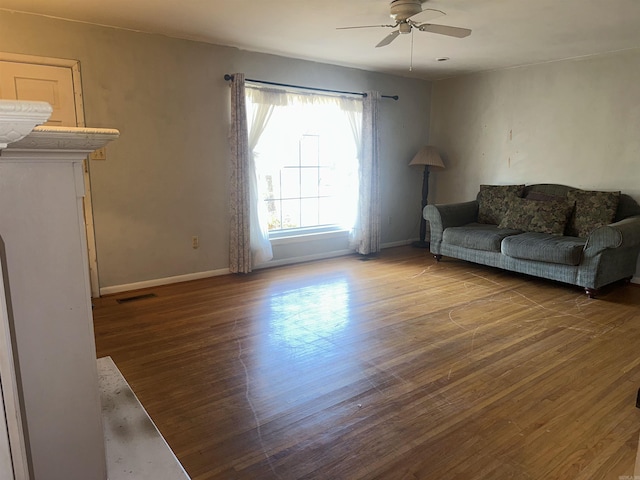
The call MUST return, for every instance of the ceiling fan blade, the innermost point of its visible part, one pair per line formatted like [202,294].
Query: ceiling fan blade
[426,15]
[366,26]
[457,32]
[388,39]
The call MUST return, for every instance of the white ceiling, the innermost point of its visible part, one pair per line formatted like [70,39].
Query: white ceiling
[506,33]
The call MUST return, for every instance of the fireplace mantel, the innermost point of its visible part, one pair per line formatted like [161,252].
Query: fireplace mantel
[74,141]
[44,252]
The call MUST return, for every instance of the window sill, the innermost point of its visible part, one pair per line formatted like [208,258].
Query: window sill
[300,236]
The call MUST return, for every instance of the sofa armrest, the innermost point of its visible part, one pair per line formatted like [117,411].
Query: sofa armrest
[448,215]
[625,233]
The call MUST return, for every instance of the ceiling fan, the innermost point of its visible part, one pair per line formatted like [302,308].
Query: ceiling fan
[403,12]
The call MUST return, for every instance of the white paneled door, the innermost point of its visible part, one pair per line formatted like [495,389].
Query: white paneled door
[46,83]
[57,82]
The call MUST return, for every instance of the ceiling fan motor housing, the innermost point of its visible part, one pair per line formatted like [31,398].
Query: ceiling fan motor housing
[403,9]
[404,28]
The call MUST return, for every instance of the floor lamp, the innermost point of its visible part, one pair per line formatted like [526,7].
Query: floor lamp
[429,157]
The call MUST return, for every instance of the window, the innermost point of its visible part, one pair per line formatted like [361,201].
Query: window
[302,193]
[306,162]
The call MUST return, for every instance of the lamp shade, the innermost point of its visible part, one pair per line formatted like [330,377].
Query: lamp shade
[428,155]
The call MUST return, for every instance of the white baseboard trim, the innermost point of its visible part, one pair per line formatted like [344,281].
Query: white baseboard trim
[162,281]
[636,279]
[225,271]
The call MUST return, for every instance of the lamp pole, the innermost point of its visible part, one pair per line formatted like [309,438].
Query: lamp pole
[422,243]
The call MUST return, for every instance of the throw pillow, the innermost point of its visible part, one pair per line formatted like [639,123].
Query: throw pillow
[493,201]
[544,216]
[593,209]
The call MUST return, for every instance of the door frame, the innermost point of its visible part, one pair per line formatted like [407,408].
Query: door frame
[74,65]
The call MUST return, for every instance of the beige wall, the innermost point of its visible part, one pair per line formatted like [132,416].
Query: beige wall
[575,122]
[166,178]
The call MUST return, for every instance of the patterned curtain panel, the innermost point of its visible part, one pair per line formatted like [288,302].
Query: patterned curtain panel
[367,232]
[239,237]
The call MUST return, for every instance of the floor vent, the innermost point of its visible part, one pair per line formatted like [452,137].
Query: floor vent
[136,298]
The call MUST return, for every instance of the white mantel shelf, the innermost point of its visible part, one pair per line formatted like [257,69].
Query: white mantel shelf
[76,140]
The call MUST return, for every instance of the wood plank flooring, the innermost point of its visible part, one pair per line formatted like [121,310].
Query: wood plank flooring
[393,368]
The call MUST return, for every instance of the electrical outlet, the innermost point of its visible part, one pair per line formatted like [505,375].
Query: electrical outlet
[195,243]
[99,154]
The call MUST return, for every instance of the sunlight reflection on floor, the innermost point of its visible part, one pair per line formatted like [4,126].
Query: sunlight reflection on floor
[298,318]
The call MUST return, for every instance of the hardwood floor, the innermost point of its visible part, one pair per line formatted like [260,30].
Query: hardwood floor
[393,368]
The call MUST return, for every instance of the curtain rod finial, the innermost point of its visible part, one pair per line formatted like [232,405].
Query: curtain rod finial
[228,77]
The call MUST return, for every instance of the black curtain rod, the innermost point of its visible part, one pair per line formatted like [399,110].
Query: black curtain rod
[228,77]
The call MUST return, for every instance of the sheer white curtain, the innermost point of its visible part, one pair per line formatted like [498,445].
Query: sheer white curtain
[366,237]
[263,103]
[353,110]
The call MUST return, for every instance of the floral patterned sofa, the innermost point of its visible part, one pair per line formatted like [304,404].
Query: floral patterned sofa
[584,238]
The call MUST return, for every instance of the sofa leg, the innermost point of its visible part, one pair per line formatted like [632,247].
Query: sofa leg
[591,292]
[437,257]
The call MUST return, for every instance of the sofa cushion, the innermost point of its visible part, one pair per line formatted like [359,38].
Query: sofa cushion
[593,209]
[493,201]
[544,216]
[477,236]
[543,247]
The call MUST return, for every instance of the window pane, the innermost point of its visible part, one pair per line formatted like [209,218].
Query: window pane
[309,182]
[328,211]
[309,212]
[272,185]
[274,210]
[291,214]
[326,182]
[309,150]
[326,161]
[290,182]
